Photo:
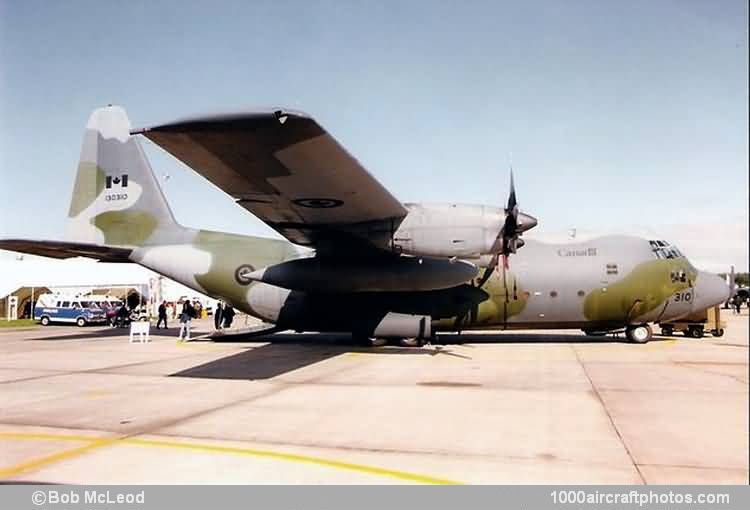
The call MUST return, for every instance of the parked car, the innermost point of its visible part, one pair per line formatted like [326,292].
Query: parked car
[80,311]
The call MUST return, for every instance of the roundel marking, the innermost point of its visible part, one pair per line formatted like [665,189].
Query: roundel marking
[241,274]
[318,203]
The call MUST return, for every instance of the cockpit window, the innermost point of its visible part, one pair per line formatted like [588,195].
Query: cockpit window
[663,250]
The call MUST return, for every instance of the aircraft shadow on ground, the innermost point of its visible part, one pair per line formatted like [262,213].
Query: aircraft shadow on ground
[288,353]
[284,352]
[95,333]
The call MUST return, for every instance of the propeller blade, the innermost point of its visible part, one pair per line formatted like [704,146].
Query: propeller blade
[512,202]
[508,239]
[488,270]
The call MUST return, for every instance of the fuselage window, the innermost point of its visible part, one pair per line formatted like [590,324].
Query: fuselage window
[663,250]
[553,293]
[581,293]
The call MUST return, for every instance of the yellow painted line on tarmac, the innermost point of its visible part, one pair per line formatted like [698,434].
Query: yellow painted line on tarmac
[39,436]
[402,475]
[40,462]
[96,394]
[94,443]
[661,344]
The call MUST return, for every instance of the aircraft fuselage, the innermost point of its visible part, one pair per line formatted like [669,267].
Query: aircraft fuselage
[604,283]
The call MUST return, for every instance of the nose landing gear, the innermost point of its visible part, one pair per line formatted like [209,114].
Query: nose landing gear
[639,334]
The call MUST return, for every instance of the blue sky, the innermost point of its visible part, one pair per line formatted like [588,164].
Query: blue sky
[616,113]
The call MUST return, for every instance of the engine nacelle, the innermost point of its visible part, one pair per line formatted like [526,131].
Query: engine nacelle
[400,325]
[453,230]
[266,301]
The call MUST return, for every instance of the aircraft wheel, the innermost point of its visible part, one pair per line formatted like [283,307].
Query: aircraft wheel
[367,341]
[718,332]
[45,321]
[695,332]
[411,342]
[639,334]
[80,322]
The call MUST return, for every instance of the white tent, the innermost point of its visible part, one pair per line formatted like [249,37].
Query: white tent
[82,275]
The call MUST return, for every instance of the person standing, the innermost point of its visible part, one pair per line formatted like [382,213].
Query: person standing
[122,315]
[218,315]
[186,316]
[228,315]
[162,315]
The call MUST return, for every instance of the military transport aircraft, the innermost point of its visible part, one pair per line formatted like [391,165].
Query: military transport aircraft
[356,260]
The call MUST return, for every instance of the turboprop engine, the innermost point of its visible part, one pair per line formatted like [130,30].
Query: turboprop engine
[478,233]
[368,274]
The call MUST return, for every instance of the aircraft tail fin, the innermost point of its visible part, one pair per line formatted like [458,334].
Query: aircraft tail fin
[116,199]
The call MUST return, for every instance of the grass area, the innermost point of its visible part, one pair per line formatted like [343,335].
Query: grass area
[20,323]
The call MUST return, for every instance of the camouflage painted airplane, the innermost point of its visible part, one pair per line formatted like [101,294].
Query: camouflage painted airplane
[357,260]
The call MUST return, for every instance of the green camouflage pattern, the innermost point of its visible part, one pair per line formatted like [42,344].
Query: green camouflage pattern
[605,282]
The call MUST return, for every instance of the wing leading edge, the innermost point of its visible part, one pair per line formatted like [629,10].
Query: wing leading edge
[65,250]
[283,167]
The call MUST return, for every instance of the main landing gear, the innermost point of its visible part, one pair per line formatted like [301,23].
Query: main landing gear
[367,341]
[639,334]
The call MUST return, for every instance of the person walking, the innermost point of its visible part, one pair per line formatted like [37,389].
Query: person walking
[218,315]
[162,315]
[186,316]
[228,315]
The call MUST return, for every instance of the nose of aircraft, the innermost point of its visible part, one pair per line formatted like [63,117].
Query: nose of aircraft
[710,290]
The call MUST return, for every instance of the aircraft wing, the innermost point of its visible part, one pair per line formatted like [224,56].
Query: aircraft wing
[65,250]
[283,167]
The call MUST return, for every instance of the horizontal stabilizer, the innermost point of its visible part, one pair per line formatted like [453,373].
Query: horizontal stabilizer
[65,250]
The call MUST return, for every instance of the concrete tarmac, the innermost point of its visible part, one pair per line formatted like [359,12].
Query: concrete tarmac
[82,405]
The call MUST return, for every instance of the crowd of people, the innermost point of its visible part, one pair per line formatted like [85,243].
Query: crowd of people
[223,316]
